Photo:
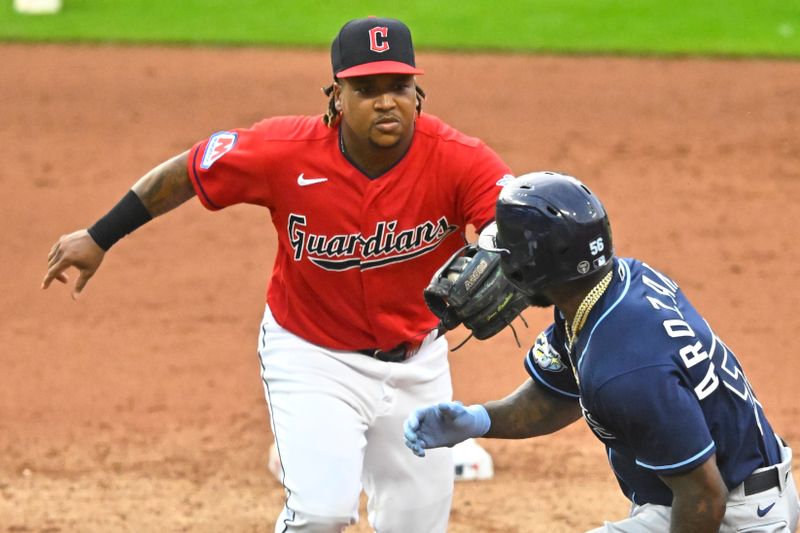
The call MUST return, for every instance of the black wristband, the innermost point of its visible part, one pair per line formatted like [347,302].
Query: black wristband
[126,216]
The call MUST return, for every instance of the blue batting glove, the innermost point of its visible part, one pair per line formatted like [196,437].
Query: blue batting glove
[444,424]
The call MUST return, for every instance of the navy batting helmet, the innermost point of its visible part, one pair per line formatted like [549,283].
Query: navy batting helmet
[550,229]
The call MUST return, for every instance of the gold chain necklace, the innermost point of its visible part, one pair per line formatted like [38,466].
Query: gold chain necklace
[583,310]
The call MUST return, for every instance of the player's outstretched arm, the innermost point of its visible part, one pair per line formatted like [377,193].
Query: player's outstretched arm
[530,411]
[162,189]
[527,412]
[165,187]
[698,498]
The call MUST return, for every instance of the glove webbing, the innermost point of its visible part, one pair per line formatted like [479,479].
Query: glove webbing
[511,325]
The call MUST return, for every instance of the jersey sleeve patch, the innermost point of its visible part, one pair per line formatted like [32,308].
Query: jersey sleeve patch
[545,356]
[218,145]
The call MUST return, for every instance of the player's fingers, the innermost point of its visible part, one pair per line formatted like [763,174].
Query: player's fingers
[54,258]
[451,409]
[416,448]
[54,272]
[410,428]
[414,419]
[54,250]
[413,433]
[413,426]
[80,283]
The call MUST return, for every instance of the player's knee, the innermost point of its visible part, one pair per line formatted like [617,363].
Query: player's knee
[432,517]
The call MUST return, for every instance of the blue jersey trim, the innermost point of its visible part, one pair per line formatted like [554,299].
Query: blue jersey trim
[611,308]
[532,370]
[676,465]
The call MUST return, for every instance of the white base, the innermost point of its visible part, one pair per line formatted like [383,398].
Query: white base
[37,7]
[472,461]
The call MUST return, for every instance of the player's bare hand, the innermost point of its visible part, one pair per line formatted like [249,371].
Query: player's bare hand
[78,250]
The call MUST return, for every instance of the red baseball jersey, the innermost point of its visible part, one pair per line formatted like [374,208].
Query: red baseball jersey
[354,253]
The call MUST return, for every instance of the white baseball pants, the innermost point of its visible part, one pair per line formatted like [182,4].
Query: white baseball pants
[773,511]
[337,418]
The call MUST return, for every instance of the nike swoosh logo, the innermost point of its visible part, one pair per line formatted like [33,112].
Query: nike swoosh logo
[301,181]
[765,510]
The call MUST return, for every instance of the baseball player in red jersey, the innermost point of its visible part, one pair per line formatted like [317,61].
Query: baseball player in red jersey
[367,201]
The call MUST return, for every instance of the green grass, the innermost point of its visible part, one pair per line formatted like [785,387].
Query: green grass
[704,27]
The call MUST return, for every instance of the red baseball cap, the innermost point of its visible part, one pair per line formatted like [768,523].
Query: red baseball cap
[373,45]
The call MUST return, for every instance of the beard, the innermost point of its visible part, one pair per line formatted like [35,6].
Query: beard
[539,300]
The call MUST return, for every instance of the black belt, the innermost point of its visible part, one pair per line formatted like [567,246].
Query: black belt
[398,354]
[761,481]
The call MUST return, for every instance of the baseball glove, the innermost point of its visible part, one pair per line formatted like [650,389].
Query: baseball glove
[470,289]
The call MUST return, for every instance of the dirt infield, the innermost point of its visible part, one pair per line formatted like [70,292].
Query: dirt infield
[139,407]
